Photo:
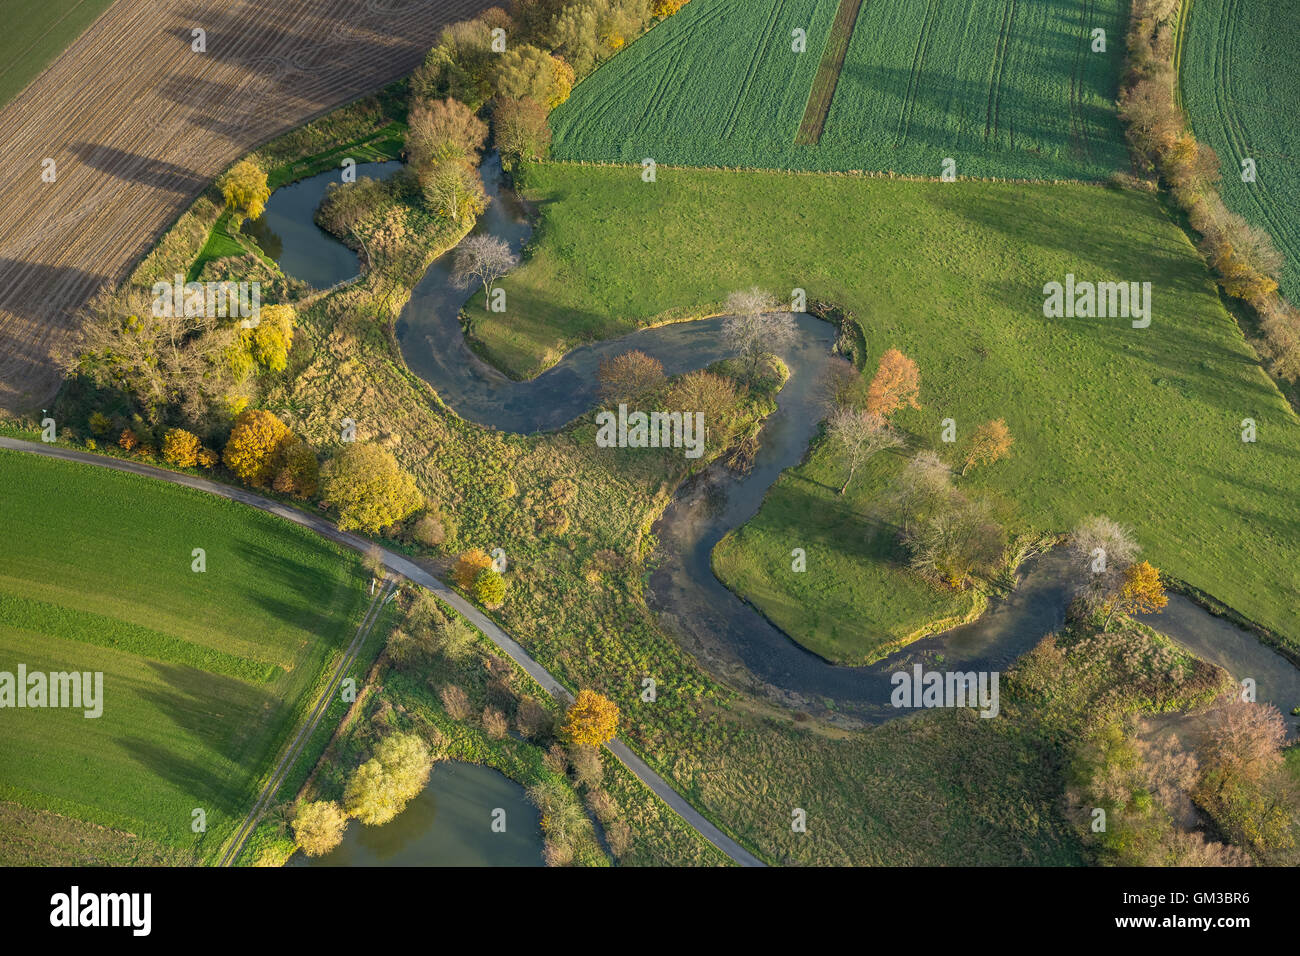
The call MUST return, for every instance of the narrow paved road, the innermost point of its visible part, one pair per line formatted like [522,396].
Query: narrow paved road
[408,569]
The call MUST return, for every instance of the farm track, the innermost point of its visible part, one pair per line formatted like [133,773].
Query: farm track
[828,73]
[404,567]
[139,124]
[994,106]
[1078,126]
[914,78]
[291,751]
[760,49]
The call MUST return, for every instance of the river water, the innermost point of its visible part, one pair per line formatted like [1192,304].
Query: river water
[287,231]
[448,824]
[728,635]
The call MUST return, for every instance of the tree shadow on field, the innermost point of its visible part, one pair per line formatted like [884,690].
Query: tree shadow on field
[223,714]
[317,592]
[147,171]
[312,41]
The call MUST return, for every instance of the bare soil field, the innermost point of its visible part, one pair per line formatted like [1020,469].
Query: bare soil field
[137,124]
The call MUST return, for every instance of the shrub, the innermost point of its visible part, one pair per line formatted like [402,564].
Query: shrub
[489,588]
[532,719]
[587,768]
[458,639]
[429,531]
[619,835]
[556,760]
[468,566]
[455,701]
[495,723]
[603,806]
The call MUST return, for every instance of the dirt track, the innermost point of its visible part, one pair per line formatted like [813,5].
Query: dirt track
[138,124]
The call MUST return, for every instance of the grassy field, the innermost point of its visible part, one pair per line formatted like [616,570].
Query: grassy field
[1239,96]
[36,31]
[836,606]
[1005,89]
[204,674]
[1140,424]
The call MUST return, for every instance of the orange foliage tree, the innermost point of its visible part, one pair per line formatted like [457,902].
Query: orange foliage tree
[897,383]
[991,442]
[1140,593]
[256,441]
[591,720]
[468,566]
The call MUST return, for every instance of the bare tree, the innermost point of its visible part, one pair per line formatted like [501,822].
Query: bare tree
[483,258]
[926,481]
[857,436]
[1102,549]
[754,329]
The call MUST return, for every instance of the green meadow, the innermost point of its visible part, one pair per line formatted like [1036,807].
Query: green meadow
[205,674]
[1140,424]
[837,606]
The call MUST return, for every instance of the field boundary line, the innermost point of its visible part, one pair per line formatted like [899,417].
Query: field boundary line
[294,748]
[406,568]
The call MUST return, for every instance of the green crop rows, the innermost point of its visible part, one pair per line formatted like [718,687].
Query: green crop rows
[204,674]
[1003,87]
[1240,89]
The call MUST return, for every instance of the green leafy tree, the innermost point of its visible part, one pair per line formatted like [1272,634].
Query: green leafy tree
[381,787]
[318,827]
[369,488]
[245,190]
[489,588]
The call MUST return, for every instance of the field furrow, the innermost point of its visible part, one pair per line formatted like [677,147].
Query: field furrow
[138,124]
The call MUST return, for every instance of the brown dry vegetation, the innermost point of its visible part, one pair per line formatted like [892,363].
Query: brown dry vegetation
[139,124]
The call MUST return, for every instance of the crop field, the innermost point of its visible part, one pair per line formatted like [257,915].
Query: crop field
[204,674]
[1240,87]
[1140,424]
[1003,87]
[35,32]
[138,124]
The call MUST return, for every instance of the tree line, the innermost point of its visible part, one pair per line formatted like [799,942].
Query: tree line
[1242,257]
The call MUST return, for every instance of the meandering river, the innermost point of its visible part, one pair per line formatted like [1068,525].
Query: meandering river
[728,635]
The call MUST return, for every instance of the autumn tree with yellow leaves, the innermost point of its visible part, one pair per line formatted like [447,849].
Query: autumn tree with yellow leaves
[591,720]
